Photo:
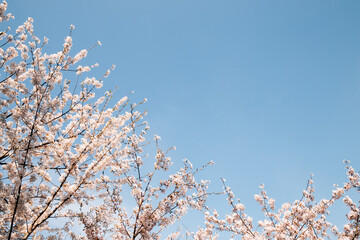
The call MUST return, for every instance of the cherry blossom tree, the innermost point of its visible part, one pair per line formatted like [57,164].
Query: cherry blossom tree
[302,219]
[73,165]
[66,155]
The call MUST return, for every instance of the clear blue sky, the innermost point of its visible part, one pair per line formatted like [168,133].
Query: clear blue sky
[268,90]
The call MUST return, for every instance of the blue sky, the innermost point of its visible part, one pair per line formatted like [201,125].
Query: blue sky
[268,90]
